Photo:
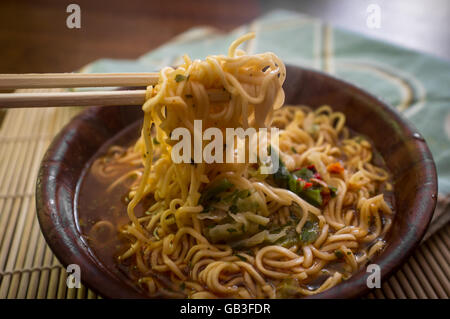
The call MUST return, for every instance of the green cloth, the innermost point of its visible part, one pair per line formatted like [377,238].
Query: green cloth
[415,83]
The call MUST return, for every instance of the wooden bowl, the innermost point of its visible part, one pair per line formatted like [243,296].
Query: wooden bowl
[404,150]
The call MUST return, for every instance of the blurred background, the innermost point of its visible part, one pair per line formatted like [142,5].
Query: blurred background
[34,36]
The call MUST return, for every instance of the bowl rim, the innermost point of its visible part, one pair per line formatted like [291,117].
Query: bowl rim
[71,250]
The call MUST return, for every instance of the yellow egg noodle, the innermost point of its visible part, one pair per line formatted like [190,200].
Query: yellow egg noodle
[227,230]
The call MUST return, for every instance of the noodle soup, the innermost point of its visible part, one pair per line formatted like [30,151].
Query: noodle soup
[288,255]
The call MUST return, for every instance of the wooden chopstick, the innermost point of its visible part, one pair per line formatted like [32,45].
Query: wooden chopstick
[92,98]
[74,80]
[106,98]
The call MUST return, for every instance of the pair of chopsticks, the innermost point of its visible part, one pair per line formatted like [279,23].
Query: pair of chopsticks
[78,80]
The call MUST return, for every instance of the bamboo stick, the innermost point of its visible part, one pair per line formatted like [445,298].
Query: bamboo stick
[94,98]
[75,80]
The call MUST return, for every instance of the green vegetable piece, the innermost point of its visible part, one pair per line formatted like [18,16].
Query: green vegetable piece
[233,209]
[304,173]
[243,193]
[241,257]
[179,78]
[155,141]
[288,288]
[312,196]
[224,232]
[215,189]
[231,197]
[294,185]
[310,232]
[283,178]
[290,239]
[235,196]
[339,254]
[247,205]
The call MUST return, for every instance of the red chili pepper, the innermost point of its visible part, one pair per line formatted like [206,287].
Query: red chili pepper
[317,176]
[335,168]
[311,167]
[308,185]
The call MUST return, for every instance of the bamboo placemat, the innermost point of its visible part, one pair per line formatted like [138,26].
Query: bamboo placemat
[28,268]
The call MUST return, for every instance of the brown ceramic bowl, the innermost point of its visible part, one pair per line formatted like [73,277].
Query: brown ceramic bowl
[405,152]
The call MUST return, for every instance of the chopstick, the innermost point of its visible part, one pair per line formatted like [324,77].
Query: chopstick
[68,80]
[95,98]
[73,80]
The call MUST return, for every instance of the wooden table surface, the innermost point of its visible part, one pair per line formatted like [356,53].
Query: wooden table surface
[34,36]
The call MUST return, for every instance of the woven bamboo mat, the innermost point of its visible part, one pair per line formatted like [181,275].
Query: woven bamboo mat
[28,268]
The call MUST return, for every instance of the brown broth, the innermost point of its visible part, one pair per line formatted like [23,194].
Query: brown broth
[92,206]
